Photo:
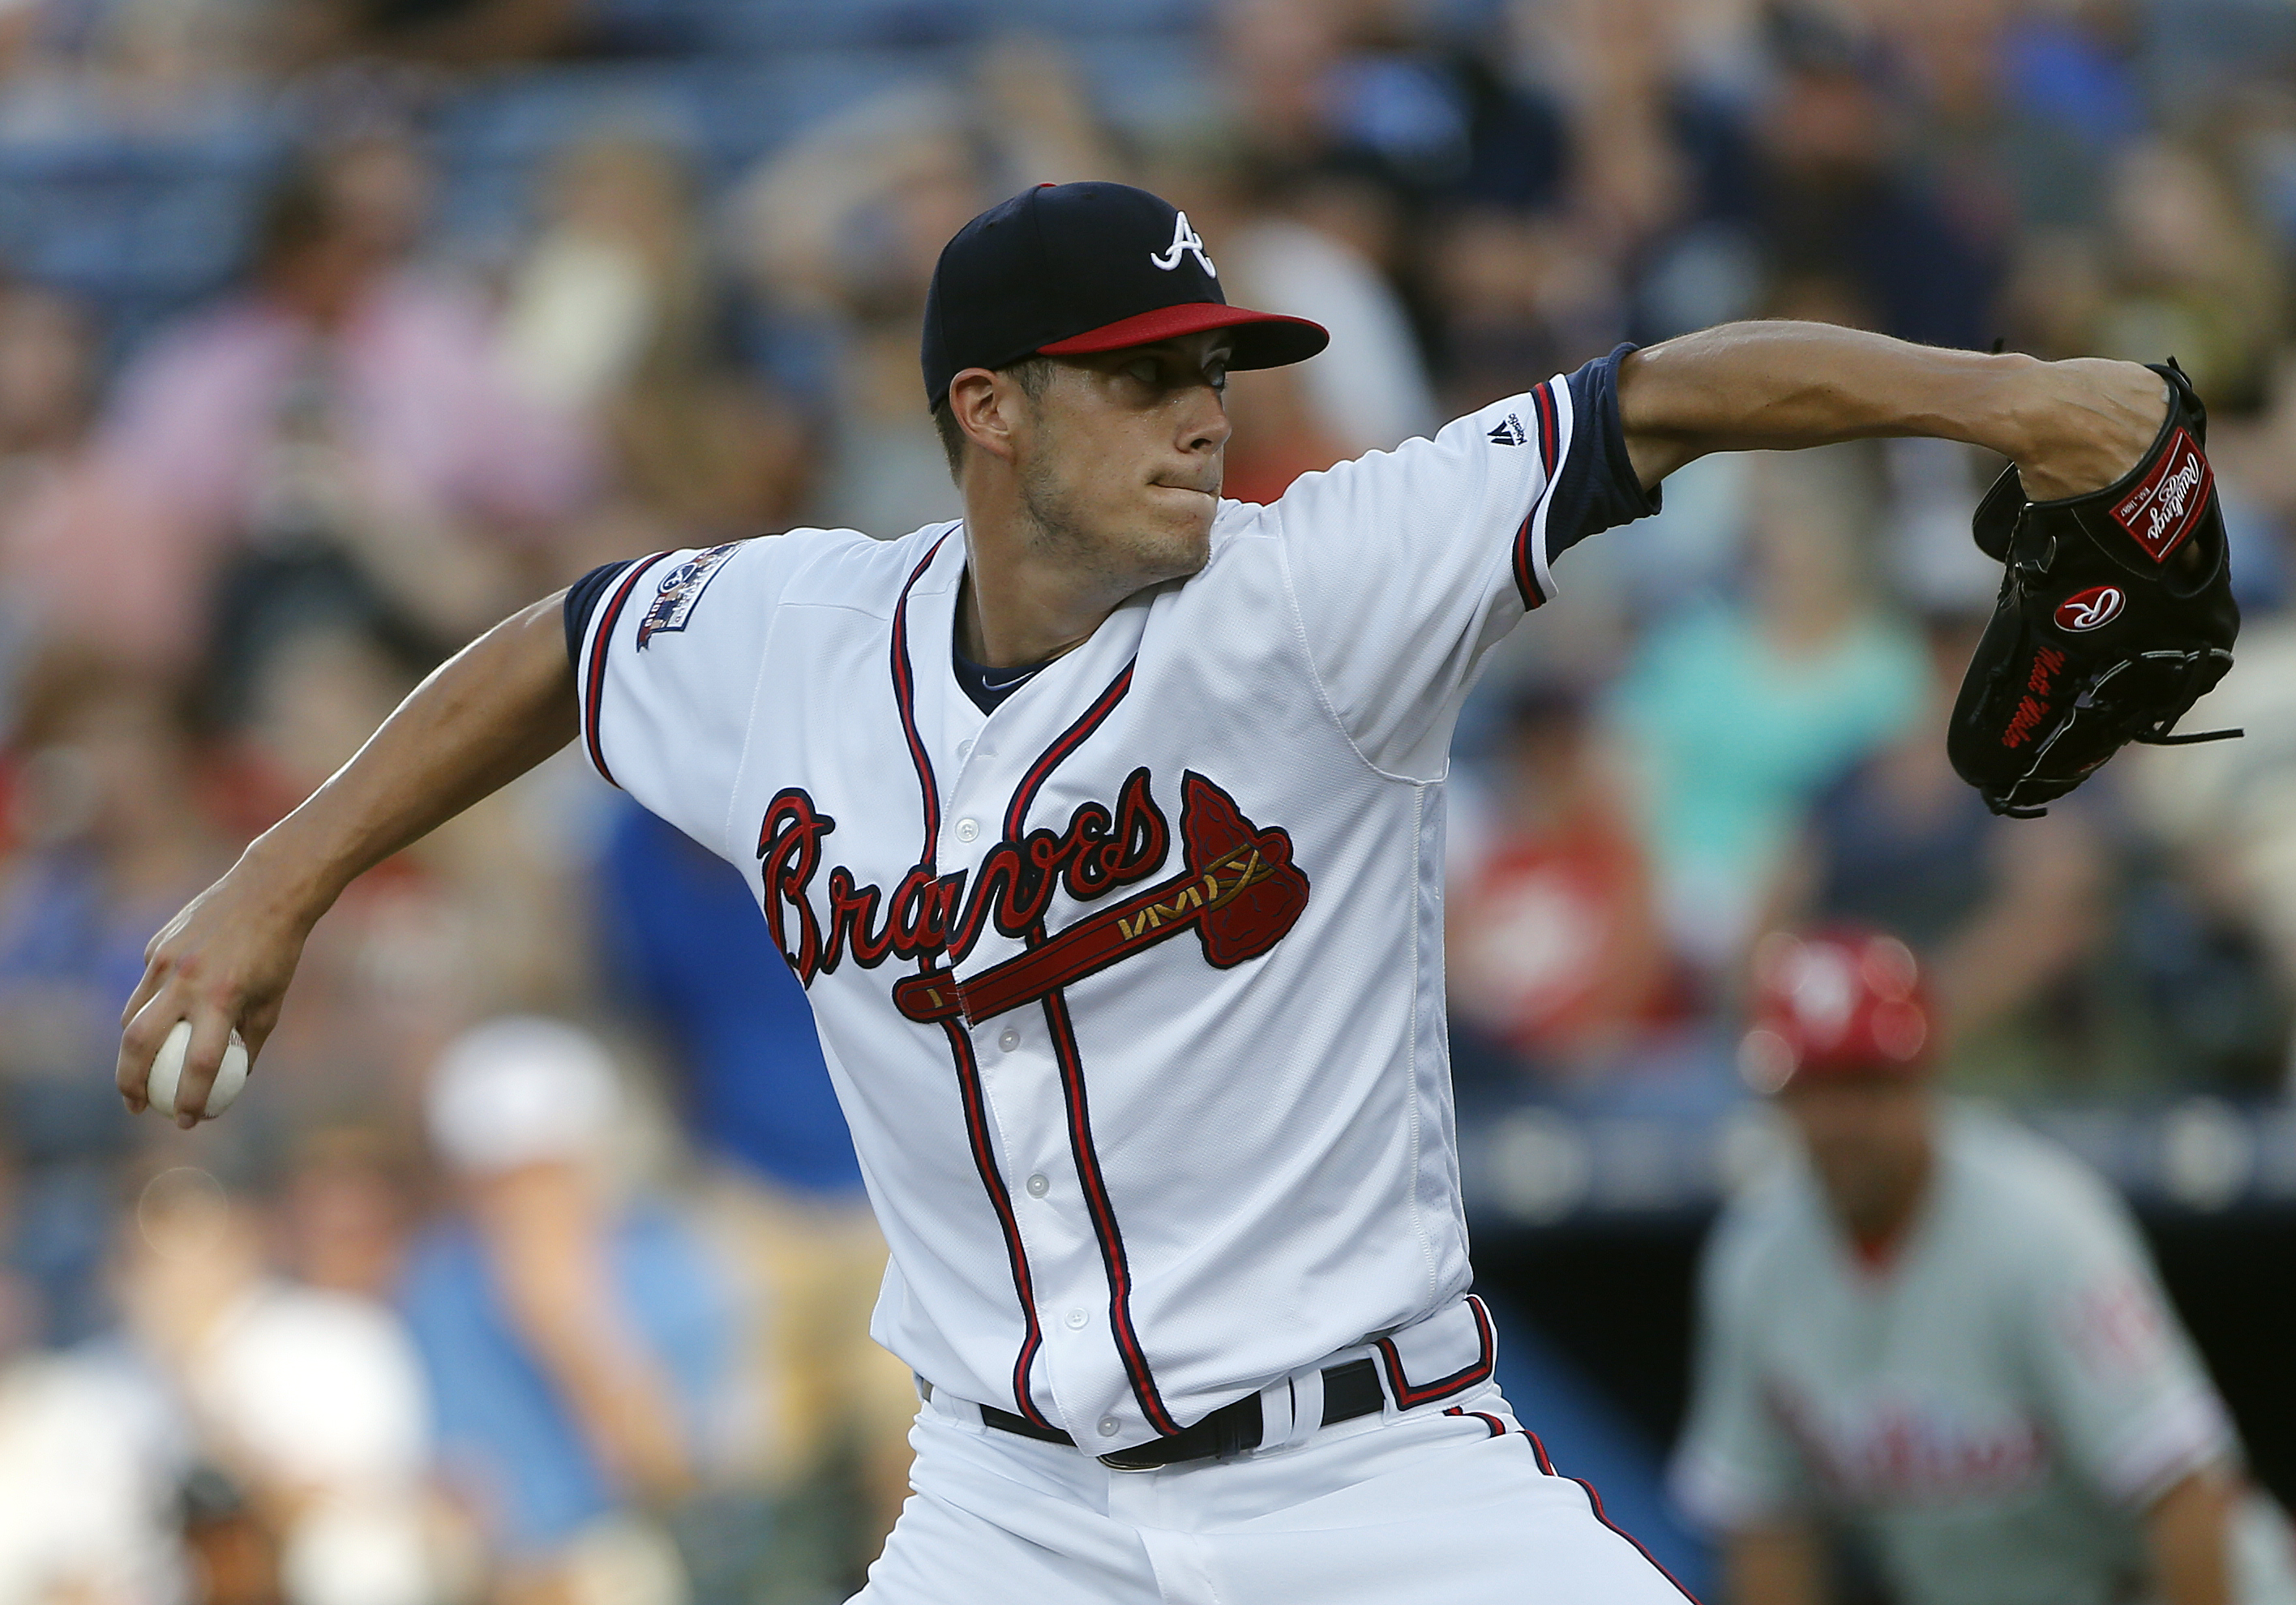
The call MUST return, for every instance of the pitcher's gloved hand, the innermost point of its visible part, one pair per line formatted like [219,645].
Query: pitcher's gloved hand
[2115,616]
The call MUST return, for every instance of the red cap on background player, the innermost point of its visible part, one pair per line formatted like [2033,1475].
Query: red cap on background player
[1840,1002]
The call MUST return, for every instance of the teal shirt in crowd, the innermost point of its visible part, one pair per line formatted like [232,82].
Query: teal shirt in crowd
[1734,740]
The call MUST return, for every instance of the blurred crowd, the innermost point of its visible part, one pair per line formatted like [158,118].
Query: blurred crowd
[332,331]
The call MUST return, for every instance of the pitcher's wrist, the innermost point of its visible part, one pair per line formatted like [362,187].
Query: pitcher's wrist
[290,872]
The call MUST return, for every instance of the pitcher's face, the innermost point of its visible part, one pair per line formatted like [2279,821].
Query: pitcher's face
[1119,458]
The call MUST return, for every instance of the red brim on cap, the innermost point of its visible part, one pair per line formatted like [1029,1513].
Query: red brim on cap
[1263,340]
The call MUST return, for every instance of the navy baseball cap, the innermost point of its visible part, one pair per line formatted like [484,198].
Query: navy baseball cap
[1068,268]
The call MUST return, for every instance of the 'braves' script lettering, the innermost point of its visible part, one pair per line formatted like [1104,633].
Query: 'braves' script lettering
[927,916]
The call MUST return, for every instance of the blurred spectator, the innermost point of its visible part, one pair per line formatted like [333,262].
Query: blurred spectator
[341,432]
[1854,233]
[1612,66]
[2191,275]
[1554,943]
[1368,390]
[2002,913]
[87,1510]
[1524,301]
[2255,459]
[576,1342]
[840,231]
[1660,195]
[463,33]
[346,1210]
[685,940]
[1738,715]
[90,1507]
[1280,56]
[46,389]
[1035,117]
[2171,264]
[72,573]
[2016,109]
[309,1405]
[111,841]
[614,310]
[151,69]
[2229,817]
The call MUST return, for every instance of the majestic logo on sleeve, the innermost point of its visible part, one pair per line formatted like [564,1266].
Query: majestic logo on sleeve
[1236,890]
[1184,240]
[674,599]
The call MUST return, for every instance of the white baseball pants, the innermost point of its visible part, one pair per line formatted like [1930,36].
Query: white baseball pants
[1451,1503]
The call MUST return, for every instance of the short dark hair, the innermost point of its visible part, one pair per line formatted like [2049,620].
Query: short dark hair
[1032,372]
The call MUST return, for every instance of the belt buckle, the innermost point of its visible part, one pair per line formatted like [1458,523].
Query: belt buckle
[1232,1429]
[1124,1460]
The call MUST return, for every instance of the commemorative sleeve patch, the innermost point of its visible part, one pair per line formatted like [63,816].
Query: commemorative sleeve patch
[680,591]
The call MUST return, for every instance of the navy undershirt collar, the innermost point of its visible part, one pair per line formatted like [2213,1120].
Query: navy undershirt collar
[988,686]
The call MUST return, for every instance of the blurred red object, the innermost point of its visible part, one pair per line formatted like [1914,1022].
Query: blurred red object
[1556,947]
[1844,1002]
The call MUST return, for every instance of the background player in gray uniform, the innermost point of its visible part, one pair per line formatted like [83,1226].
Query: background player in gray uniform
[1941,1333]
[1105,828]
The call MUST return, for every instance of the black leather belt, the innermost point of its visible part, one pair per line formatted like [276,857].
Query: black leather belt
[1349,1390]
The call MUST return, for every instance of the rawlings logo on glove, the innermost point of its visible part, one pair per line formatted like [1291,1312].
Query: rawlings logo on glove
[2092,609]
[2170,500]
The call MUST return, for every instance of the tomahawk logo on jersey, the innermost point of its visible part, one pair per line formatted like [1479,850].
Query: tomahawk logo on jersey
[1131,987]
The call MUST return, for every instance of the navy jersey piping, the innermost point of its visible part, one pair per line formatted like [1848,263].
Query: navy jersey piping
[1591,487]
[1526,582]
[1594,1499]
[582,601]
[593,696]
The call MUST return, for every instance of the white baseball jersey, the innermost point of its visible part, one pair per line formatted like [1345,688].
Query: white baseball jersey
[1993,1407]
[1132,989]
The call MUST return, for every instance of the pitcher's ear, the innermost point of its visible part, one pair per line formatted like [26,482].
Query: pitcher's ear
[981,401]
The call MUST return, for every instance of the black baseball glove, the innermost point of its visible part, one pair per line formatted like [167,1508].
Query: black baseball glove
[2115,616]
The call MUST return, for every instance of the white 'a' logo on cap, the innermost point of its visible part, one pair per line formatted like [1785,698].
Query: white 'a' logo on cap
[1185,238]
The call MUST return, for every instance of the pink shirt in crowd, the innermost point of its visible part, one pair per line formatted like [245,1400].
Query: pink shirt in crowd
[124,544]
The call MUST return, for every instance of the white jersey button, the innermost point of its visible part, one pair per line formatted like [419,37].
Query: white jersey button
[966,830]
[964,750]
[1038,1186]
[1109,1426]
[1011,1039]
[1077,1318]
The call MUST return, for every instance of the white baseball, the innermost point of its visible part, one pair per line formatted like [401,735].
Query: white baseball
[168,1071]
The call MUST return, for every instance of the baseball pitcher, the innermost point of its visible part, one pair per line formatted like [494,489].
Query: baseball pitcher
[1104,828]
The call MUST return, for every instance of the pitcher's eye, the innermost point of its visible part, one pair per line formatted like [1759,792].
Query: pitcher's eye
[1147,369]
